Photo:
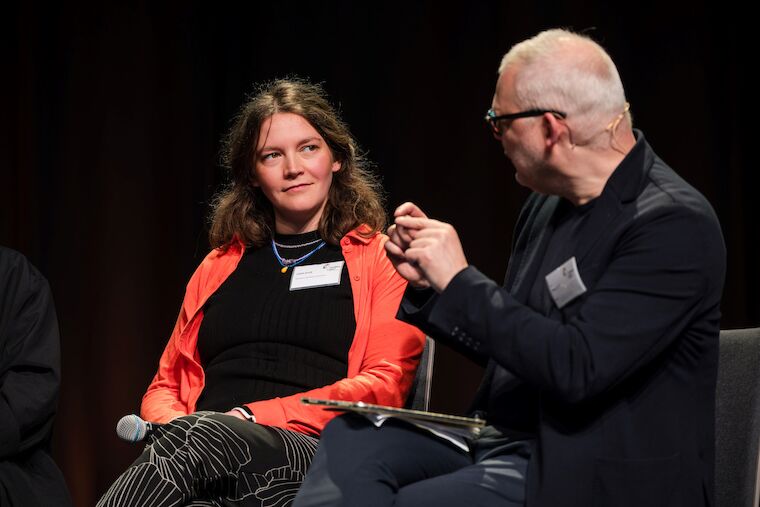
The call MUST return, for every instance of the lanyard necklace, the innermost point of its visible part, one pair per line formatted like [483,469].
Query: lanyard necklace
[289,263]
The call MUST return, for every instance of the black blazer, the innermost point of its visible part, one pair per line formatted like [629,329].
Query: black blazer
[29,378]
[618,386]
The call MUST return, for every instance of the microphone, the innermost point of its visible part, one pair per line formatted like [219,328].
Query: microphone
[133,429]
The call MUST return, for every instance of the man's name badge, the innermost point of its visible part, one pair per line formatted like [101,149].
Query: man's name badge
[565,283]
[316,275]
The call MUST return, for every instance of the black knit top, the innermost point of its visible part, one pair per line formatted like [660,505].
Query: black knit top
[259,340]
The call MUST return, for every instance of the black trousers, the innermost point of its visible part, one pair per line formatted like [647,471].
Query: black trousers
[399,465]
[213,459]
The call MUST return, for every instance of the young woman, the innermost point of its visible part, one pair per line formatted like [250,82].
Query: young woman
[296,299]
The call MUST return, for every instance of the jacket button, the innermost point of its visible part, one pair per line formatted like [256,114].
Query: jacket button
[346,241]
[356,277]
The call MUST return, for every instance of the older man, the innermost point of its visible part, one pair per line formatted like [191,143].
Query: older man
[602,345]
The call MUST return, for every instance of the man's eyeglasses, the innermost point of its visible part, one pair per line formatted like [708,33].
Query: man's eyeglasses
[495,121]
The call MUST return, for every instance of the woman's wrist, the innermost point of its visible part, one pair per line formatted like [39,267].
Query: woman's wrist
[245,412]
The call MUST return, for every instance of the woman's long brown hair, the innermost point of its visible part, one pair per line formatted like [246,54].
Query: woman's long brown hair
[241,210]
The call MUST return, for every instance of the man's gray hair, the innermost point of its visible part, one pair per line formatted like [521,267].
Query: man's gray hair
[562,70]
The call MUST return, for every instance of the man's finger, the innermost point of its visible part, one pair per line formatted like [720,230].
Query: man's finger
[404,234]
[409,209]
[417,222]
[422,243]
[393,249]
[433,232]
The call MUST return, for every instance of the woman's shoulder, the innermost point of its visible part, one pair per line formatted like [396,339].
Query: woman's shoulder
[369,245]
[364,235]
[218,261]
[232,250]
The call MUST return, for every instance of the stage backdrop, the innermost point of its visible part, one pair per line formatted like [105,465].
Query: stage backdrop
[112,120]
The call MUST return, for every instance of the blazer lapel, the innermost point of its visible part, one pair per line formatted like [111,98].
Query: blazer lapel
[605,210]
[533,233]
[530,248]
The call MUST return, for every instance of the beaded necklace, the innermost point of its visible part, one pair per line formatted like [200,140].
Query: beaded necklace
[289,263]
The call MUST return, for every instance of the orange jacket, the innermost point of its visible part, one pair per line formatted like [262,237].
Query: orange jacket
[381,361]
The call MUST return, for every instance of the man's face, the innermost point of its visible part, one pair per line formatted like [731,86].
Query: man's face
[521,139]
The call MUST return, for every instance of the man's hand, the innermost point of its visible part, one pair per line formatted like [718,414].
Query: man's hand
[426,252]
[399,242]
[435,250]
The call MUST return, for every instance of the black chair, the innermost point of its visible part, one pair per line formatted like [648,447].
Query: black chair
[419,394]
[737,419]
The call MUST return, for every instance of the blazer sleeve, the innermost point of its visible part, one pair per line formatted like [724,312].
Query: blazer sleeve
[666,271]
[387,365]
[29,356]
[161,402]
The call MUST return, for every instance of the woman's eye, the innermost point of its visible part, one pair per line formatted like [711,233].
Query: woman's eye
[310,147]
[270,156]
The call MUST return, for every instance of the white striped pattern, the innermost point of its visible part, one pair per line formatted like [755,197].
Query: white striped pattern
[196,460]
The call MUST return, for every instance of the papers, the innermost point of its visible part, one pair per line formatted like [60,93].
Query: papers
[454,429]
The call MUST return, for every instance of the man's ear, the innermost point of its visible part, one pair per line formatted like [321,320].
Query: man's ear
[553,129]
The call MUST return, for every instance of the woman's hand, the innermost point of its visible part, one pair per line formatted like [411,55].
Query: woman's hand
[236,413]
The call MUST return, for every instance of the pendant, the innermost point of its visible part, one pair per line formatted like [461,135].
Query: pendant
[284,269]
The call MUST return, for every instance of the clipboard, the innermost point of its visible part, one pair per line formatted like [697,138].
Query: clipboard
[471,423]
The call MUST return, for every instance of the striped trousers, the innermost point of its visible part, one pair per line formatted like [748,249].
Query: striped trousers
[211,459]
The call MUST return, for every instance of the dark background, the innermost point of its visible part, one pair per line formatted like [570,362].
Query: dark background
[112,117]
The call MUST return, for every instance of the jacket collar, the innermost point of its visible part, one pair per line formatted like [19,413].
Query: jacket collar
[626,181]
[623,186]
[355,234]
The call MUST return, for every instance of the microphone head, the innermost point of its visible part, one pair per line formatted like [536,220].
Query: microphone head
[131,428]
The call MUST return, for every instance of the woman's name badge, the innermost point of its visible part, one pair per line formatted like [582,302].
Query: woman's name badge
[565,283]
[316,275]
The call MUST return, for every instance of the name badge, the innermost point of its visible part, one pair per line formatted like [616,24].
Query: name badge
[316,275]
[565,283]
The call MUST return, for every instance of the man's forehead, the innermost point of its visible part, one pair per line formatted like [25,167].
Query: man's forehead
[504,90]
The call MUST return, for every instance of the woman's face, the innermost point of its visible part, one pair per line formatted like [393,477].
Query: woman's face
[293,166]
